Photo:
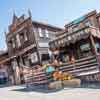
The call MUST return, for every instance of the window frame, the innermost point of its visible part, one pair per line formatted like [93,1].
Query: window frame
[40,32]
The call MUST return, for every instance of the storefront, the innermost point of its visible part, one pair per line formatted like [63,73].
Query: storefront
[3,76]
[6,71]
[74,49]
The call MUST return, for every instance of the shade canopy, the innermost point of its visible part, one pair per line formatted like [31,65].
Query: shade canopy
[67,38]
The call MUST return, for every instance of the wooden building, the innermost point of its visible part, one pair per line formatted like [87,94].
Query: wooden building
[6,71]
[78,47]
[27,43]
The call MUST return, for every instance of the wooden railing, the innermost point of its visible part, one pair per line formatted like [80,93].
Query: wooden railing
[36,77]
[82,66]
[98,58]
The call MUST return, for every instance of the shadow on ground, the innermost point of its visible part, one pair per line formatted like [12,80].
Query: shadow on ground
[4,85]
[37,89]
[46,90]
[91,85]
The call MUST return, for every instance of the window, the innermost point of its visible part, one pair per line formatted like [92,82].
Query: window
[69,29]
[26,60]
[22,36]
[64,57]
[34,57]
[75,28]
[18,40]
[27,63]
[13,43]
[9,43]
[40,32]
[85,50]
[98,47]
[35,29]
[45,57]
[88,23]
[25,36]
[14,63]
[99,19]
[46,33]
[85,47]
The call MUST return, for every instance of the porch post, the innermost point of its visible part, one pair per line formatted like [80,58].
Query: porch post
[16,71]
[95,50]
[93,44]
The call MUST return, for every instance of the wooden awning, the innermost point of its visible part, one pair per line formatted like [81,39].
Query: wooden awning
[68,38]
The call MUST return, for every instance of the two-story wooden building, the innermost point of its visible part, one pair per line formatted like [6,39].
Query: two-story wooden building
[6,71]
[27,43]
[79,47]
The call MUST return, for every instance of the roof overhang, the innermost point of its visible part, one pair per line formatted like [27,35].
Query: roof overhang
[68,38]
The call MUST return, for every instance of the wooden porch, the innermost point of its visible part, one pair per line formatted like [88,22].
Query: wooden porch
[86,62]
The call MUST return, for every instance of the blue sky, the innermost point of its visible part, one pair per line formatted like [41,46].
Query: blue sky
[55,12]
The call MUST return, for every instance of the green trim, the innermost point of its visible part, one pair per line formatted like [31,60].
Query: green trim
[77,21]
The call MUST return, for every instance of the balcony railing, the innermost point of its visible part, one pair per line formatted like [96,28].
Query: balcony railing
[84,66]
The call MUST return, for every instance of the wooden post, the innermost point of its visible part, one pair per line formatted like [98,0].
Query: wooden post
[93,44]
[95,50]
[16,72]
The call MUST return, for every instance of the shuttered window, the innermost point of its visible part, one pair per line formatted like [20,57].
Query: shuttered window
[46,33]
[40,32]
[34,57]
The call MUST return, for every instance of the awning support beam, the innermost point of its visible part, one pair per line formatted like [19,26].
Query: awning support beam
[93,44]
